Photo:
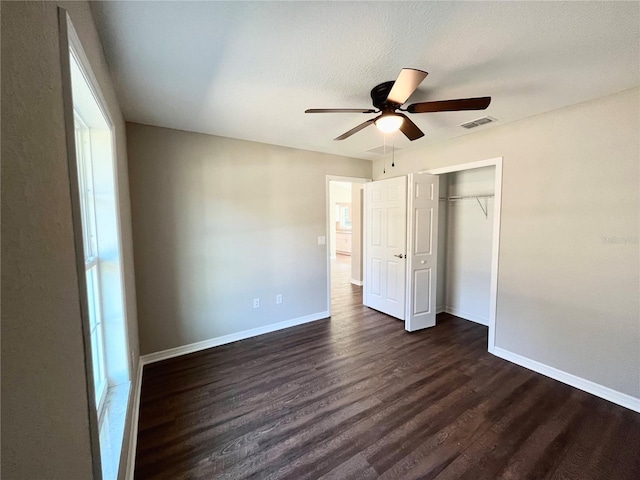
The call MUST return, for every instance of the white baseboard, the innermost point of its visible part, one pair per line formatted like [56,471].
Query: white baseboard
[440,310]
[133,427]
[588,386]
[357,282]
[467,316]
[233,337]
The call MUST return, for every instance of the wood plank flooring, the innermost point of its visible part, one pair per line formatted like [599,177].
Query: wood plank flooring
[357,397]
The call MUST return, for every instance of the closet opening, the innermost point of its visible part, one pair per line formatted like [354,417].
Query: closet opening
[468,241]
[465,231]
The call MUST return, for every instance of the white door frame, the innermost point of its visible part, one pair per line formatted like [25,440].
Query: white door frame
[329,179]
[495,250]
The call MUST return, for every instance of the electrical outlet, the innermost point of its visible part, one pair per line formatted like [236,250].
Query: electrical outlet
[279,298]
[256,303]
[322,240]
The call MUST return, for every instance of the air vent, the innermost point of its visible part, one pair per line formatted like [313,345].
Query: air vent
[478,122]
[382,150]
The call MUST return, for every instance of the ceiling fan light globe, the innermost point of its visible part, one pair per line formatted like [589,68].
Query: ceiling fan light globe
[389,123]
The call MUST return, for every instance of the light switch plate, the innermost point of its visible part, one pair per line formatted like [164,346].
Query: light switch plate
[322,240]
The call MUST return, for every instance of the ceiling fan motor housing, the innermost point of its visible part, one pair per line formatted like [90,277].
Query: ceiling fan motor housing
[379,95]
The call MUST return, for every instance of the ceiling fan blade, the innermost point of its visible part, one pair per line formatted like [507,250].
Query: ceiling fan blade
[410,129]
[355,129]
[405,85]
[340,110]
[479,103]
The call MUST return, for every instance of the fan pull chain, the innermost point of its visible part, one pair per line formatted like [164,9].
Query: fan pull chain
[393,149]
[384,153]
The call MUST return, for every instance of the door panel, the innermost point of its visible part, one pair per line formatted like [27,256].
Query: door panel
[395,238]
[423,231]
[392,282]
[376,228]
[421,286]
[376,274]
[385,246]
[422,252]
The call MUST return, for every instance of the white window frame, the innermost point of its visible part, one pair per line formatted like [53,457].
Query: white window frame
[118,354]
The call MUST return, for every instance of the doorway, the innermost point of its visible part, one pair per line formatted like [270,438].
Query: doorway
[344,237]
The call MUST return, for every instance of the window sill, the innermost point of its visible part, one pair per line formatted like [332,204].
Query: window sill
[112,429]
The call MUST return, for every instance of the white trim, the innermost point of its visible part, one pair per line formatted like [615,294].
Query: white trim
[85,65]
[365,299]
[464,166]
[338,178]
[467,316]
[619,398]
[133,426]
[233,337]
[327,231]
[495,253]
[65,30]
[495,250]
[357,282]
[440,309]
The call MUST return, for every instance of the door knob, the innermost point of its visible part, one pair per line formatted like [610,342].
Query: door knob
[399,256]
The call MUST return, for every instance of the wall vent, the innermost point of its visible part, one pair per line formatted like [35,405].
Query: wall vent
[478,122]
[381,150]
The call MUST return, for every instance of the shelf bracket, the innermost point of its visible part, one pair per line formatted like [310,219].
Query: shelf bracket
[483,207]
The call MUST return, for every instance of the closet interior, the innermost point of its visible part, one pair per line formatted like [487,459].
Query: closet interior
[465,238]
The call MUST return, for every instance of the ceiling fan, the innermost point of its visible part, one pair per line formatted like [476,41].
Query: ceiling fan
[388,97]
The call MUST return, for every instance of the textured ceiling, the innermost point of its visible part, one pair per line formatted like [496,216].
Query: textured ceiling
[248,70]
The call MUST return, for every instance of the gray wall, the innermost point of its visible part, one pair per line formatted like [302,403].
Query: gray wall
[219,222]
[568,276]
[45,429]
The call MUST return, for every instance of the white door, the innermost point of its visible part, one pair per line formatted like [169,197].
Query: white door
[422,251]
[385,246]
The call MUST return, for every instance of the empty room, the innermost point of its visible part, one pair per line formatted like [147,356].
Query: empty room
[327,239]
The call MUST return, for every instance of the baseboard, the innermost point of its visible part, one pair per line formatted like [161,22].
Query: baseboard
[133,427]
[467,316]
[440,310]
[233,337]
[357,282]
[588,386]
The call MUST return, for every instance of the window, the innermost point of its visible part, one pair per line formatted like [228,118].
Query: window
[99,223]
[90,243]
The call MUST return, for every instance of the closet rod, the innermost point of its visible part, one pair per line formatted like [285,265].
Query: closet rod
[477,197]
[467,196]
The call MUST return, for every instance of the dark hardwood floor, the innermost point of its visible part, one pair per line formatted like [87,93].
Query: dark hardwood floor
[357,397]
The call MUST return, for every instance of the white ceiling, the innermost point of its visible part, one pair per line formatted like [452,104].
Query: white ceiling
[248,70]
